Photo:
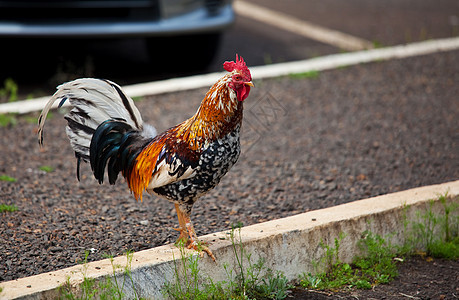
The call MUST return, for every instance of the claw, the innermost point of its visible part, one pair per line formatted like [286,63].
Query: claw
[200,247]
[183,235]
[207,250]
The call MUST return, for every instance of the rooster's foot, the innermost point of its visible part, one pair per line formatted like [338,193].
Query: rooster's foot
[188,235]
[201,248]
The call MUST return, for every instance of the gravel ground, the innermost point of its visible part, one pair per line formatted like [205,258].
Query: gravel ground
[309,143]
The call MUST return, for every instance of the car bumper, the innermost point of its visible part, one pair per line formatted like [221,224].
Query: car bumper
[195,22]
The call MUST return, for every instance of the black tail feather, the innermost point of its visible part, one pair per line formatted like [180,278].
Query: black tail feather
[114,145]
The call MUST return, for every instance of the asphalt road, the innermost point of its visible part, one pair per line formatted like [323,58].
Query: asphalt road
[38,66]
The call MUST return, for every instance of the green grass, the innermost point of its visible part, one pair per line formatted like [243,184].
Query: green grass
[374,266]
[7,178]
[377,265]
[247,280]
[7,208]
[47,169]
[378,44]
[12,119]
[309,75]
[188,283]
[435,235]
[251,279]
[115,287]
[108,288]
[30,118]
[137,99]
[9,119]
[9,92]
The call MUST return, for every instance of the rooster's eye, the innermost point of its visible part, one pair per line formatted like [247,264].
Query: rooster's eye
[237,77]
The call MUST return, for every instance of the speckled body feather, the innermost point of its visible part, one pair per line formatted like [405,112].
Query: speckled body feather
[213,163]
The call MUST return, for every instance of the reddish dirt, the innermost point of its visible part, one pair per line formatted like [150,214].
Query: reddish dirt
[418,279]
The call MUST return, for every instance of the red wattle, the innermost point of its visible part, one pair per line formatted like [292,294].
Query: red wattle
[243,93]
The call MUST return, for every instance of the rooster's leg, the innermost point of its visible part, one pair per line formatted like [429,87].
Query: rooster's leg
[182,226]
[188,234]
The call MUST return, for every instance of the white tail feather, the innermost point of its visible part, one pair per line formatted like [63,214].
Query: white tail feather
[94,101]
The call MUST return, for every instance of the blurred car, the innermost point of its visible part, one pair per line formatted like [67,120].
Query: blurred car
[194,25]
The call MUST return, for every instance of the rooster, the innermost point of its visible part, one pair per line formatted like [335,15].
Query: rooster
[181,164]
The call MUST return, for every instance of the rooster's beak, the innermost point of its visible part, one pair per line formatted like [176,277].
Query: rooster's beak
[249,83]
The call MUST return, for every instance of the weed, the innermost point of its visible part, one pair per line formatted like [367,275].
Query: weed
[247,280]
[89,288]
[310,75]
[437,235]
[8,120]
[30,118]
[7,178]
[336,274]
[274,286]
[244,281]
[376,266]
[253,280]
[188,282]
[343,67]
[47,169]
[377,44]
[10,90]
[447,221]
[110,288]
[447,250]
[7,208]
[426,228]
[448,246]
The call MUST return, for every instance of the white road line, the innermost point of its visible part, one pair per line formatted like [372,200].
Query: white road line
[300,27]
[316,64]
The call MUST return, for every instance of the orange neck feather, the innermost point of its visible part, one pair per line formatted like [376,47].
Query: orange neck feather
[219,113]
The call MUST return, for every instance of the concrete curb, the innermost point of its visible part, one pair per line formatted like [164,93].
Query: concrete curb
[259,72]
[290,245]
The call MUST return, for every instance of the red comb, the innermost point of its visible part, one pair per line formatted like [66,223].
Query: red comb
[238,65]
